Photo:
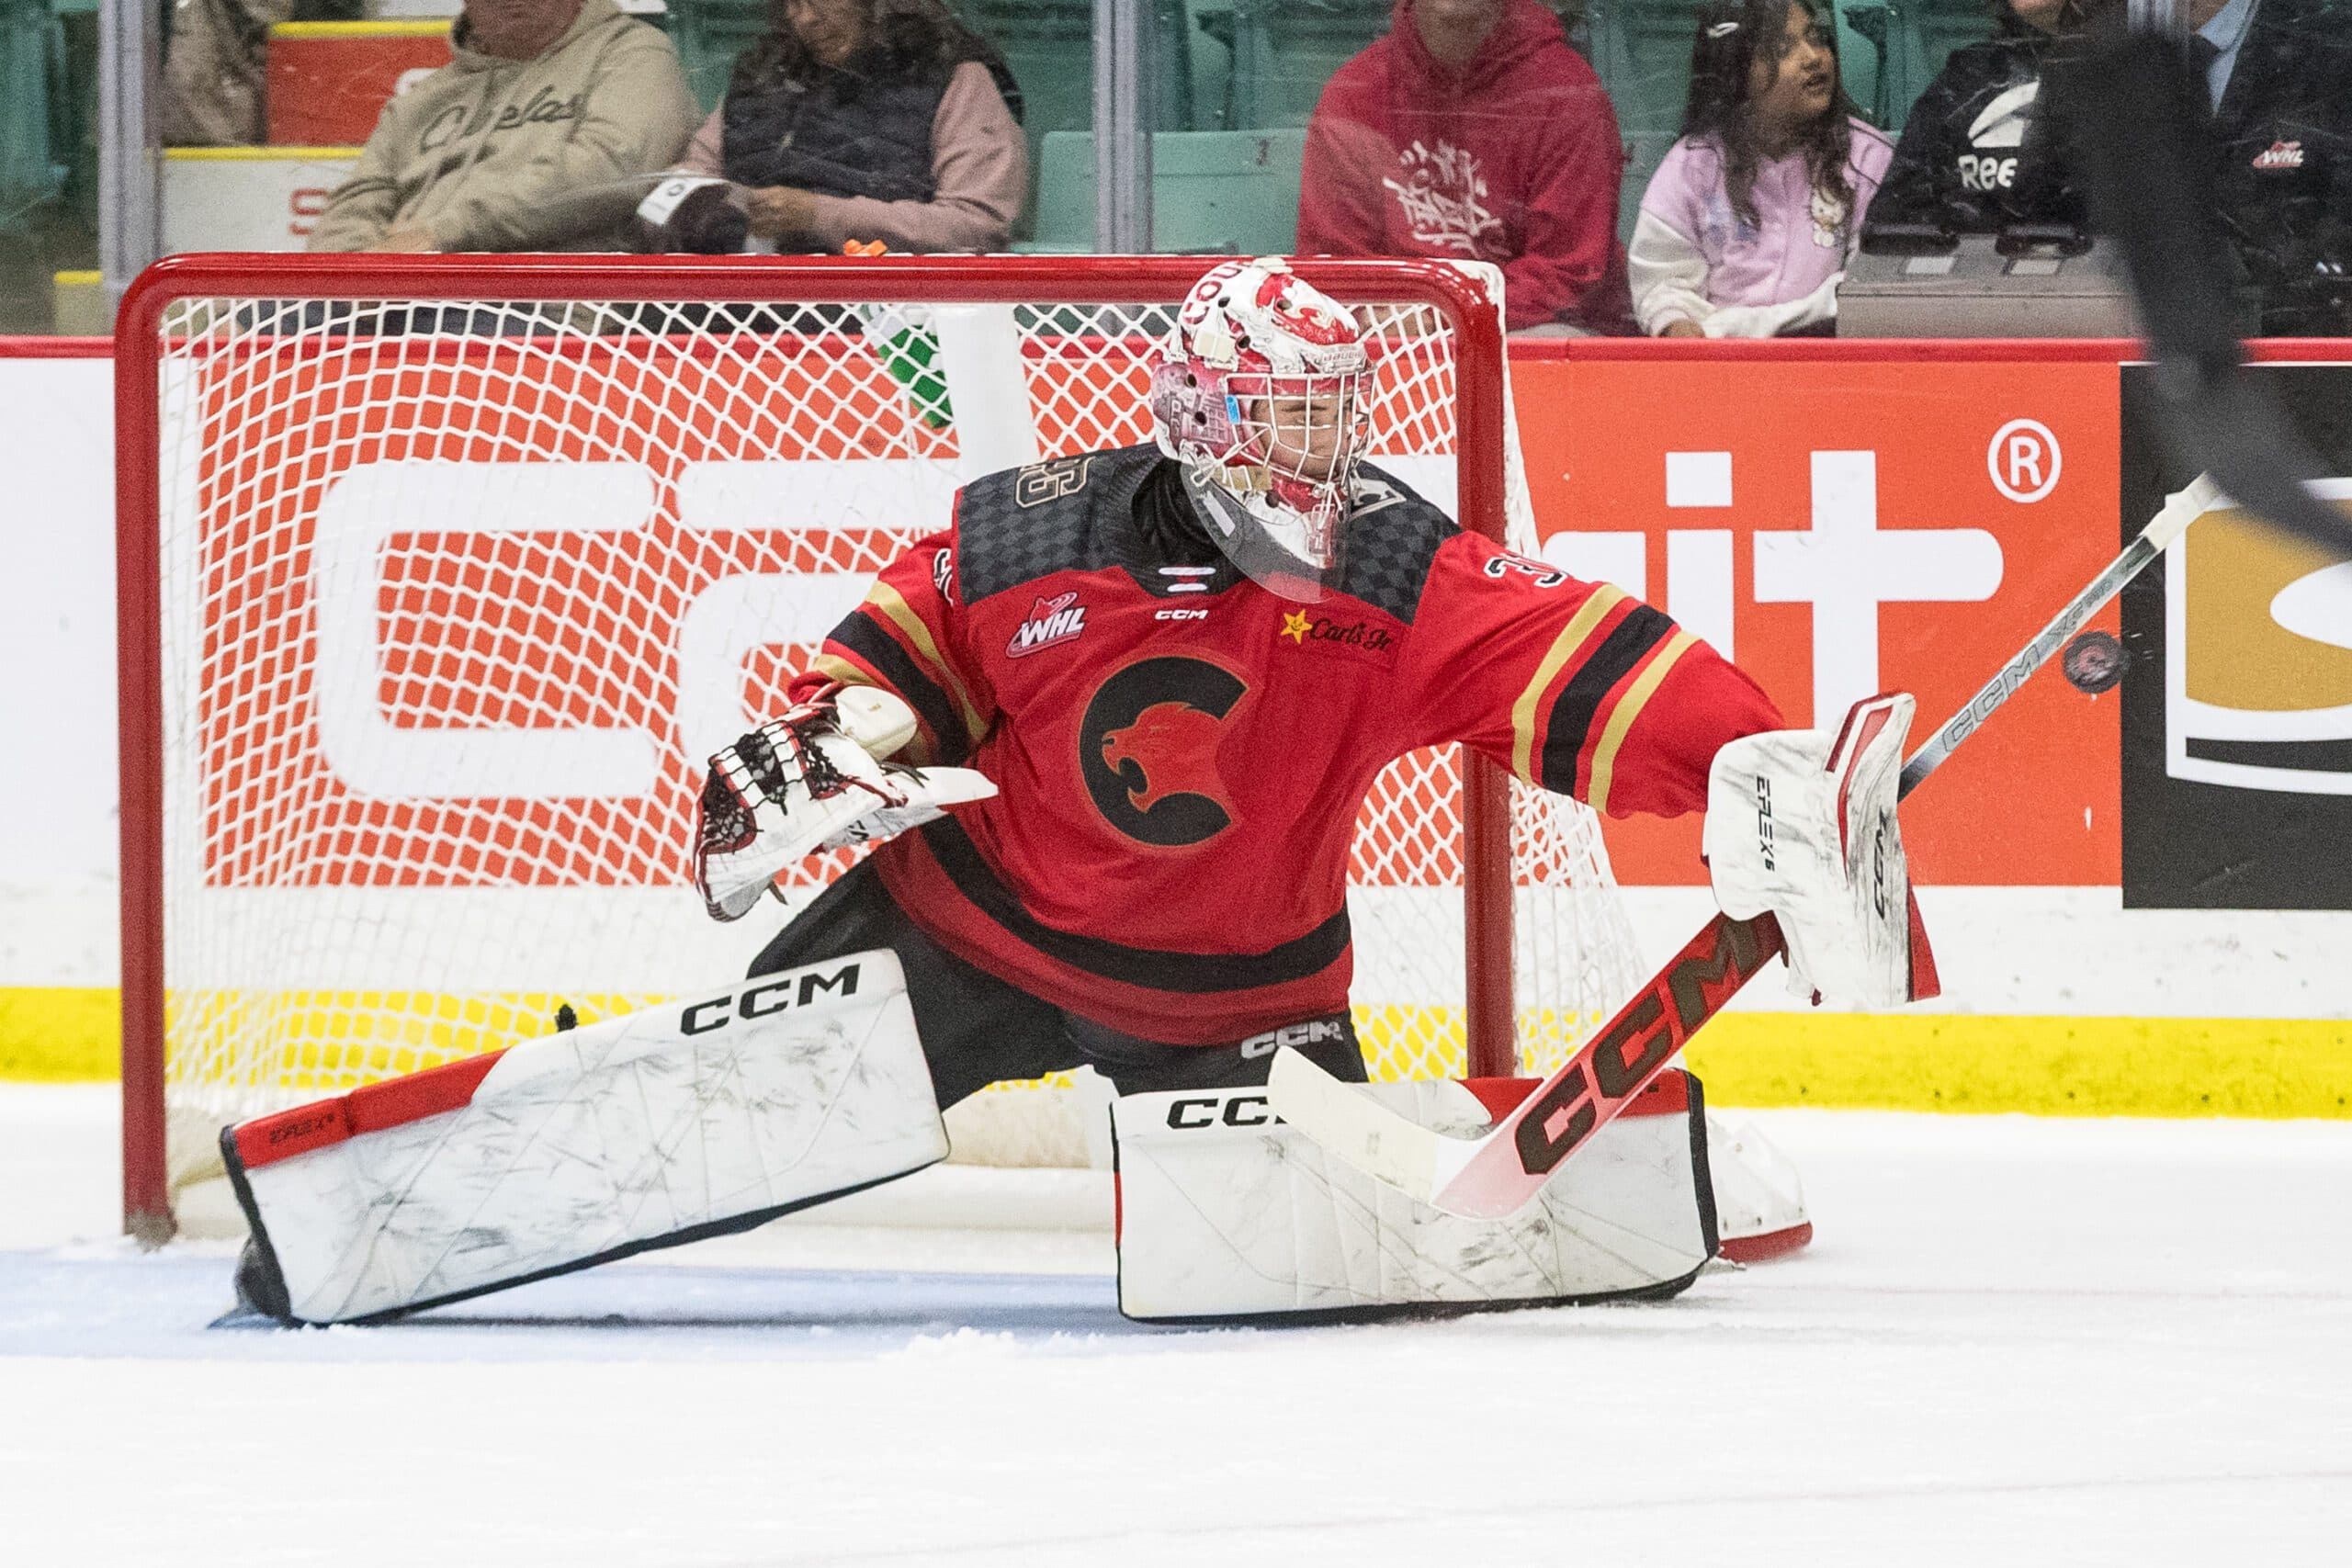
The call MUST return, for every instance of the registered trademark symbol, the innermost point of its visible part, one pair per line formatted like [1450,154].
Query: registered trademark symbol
[2024,460]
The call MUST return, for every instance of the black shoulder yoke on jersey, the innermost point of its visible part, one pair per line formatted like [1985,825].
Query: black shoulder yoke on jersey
[1064,515]
[1125,507]
[1393,535]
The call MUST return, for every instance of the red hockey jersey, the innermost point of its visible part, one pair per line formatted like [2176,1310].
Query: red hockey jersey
[1182,755]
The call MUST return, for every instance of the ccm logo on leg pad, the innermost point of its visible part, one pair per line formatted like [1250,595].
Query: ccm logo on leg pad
[768,995]
[1209,1111]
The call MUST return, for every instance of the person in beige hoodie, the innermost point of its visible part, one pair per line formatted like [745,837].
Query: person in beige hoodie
[543,133]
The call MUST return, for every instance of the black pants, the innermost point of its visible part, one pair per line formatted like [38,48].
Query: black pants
[978,1029]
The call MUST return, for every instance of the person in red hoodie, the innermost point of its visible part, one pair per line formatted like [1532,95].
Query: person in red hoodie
[1473,129]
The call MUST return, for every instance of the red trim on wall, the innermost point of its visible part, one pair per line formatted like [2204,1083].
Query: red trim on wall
[56,348]
[1897,351]
[2094,351]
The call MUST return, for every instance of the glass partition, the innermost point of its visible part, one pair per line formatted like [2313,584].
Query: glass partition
[1243,126]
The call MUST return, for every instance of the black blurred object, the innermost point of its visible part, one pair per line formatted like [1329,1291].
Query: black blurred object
[2093,663]
[1907,238]
[2140,133]
[695,214]
[2041,239]
[566,1020]
[1975,152]
[2282,150]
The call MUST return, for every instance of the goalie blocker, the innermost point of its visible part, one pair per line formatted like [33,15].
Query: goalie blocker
[703,1117]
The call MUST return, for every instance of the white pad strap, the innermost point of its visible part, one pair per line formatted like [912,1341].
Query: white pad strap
[704,1115]
[1225,1211]
[1802,823]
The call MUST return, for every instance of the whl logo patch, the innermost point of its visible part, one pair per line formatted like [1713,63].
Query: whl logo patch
[1050,621]
[2280,155]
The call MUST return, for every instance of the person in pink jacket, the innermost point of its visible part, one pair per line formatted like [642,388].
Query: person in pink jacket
[1746,227]
[1473,130]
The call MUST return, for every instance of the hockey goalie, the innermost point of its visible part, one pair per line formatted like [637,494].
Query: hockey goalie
[1109,731]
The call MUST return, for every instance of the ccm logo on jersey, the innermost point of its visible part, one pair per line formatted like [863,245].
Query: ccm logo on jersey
[1179,614]
[1050,621]
[1210,1111]
[768,996]
[1313,1032]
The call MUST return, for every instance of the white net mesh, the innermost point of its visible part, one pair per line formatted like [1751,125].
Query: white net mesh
[456,596]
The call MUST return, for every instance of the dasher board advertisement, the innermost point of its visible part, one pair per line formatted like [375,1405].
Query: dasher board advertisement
[2237,714]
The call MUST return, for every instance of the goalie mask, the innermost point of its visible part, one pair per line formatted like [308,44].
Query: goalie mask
[1261,392]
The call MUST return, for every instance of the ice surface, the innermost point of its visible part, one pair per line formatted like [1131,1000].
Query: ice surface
[2014,1341]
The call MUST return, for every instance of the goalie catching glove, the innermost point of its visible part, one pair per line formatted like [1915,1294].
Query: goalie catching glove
[1802,823]
[815,779]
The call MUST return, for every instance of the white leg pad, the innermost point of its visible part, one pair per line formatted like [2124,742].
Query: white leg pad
[1759,1198]
[704,1115]
[1225,1212]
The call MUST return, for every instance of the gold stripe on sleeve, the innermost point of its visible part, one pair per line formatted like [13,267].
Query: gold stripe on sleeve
[833,667]
[891,602]
[1629,708]
[1572,638]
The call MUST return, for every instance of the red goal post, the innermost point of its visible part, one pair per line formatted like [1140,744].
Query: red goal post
[391,526]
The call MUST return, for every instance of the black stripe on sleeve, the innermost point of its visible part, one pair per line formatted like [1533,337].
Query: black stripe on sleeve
[1153,968]
[861,636]
[1579,701]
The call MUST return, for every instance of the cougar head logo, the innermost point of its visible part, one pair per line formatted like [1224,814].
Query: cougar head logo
[1148,749]
[1172,746]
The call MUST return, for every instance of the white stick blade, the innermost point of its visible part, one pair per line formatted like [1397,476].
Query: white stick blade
[1352,1127]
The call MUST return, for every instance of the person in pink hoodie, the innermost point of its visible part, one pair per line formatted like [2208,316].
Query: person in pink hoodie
[1473,130]
[1747,225]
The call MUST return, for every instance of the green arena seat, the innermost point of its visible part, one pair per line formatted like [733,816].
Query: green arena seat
[1231,192]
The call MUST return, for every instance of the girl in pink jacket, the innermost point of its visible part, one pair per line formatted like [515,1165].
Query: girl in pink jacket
[1744,229]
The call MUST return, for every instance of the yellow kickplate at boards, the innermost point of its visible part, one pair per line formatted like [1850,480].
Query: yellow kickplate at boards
[2041,1065]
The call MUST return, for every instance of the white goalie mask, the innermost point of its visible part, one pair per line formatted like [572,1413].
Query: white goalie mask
[1261,392]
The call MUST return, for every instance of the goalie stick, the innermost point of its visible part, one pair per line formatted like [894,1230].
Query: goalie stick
[2133,103]
[1497,1172]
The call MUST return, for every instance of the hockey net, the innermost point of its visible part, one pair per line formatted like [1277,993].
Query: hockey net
[442,577]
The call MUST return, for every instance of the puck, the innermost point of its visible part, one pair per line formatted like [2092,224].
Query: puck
[2094,661]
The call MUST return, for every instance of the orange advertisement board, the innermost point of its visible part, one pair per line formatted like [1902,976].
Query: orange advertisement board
[1853,526]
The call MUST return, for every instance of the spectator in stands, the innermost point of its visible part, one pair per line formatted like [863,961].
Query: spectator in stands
[214,65]
[869,122]
[2279,76]
[543,133]
[1746,227]
[1975,155]
[1473,130]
